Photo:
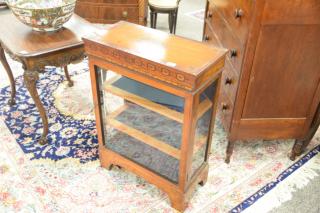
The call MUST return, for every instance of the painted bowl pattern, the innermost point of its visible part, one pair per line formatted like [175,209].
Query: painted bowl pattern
[43,15]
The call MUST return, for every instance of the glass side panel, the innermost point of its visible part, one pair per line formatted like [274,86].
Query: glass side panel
[203,127]
[200,143]
[142,123]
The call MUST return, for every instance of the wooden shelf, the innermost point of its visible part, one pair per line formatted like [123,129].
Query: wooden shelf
[204,106]
[147,139]
[163,110]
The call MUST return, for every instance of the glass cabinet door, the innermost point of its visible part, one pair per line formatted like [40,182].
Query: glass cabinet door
[141,123]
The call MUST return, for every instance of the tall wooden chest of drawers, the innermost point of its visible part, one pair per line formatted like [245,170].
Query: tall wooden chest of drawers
[271,79]
[111,11]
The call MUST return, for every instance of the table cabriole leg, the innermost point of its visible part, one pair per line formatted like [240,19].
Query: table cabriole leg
[10,75]
[66,72]
[30,79]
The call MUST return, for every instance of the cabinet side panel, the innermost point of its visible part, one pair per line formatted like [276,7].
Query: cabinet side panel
[285,72]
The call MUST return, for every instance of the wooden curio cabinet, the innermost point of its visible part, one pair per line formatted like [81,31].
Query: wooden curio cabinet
[155,102]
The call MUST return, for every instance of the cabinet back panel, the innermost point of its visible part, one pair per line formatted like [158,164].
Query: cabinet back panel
[285,72]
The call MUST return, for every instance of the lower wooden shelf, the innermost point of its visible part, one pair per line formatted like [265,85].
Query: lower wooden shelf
[157,143]
[147,139]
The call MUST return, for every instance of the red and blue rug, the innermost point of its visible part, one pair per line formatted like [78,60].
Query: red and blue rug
[64,175]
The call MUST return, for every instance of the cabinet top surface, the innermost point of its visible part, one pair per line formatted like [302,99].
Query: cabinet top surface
[185,55]
[22,41]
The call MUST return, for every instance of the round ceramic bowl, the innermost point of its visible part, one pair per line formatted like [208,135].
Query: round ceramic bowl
[43,15]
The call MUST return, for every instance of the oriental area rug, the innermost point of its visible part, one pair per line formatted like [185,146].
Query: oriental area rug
[65,175]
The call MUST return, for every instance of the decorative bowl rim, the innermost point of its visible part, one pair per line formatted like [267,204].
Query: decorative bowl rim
[46,8]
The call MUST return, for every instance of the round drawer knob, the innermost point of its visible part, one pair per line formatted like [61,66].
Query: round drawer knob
[225,107]
[233,53]
[206,37]
[124,14]
[210,14]
[238,13]
[228,81]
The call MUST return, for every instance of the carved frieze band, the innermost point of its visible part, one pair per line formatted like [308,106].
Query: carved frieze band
[155,70]
[58,60]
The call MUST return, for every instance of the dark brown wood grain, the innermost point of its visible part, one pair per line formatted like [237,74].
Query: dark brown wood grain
[227,39]
[168,58]
[237,12]
[109,12]
[300,145]
[37,50]
[279,77]
[25,42]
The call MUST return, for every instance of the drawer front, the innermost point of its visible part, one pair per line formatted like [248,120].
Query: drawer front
[107,13]
[230,77]
[210,38]
[225,110]
[237,14]
[227,39]
[229,81]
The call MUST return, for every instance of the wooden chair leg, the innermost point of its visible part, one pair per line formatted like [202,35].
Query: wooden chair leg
[152,19]
[155,20]
[229,151]
[66,72]
[175,21]
[171,20]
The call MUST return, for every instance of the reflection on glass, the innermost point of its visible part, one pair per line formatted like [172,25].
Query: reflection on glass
[142,123]
[203,127]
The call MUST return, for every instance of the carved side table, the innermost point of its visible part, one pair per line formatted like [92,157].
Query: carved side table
[35,50]
[155,99]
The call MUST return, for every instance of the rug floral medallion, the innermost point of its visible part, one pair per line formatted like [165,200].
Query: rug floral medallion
[65,175]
